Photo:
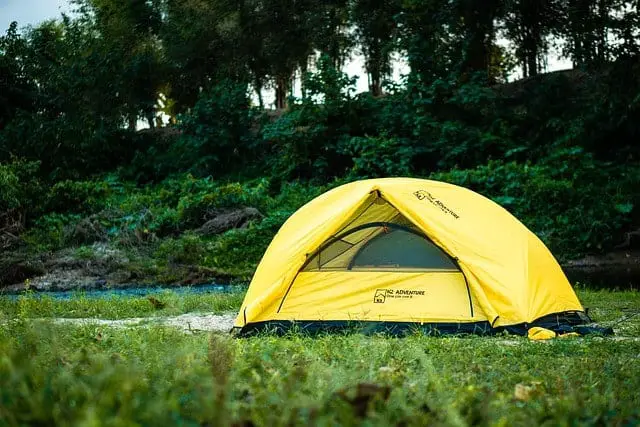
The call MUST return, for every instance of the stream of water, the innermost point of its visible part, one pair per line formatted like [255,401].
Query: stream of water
[136,291]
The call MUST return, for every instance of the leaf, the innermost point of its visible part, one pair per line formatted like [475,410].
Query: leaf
[624,208]
[505,200]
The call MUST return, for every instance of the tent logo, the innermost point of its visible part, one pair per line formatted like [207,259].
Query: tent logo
[425,195]
[380,296]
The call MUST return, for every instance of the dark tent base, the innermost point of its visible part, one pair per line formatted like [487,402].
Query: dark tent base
[560,323]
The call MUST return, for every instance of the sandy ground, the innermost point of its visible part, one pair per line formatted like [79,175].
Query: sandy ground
[191,322]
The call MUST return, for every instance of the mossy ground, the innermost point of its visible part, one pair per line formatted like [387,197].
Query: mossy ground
[53,374]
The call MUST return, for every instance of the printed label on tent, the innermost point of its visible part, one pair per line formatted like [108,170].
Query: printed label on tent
[425,195]
[382,295]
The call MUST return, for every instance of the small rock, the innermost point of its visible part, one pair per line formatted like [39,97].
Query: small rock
[119,276]
[227,220]
[16,268]
[522,392]
[88,230]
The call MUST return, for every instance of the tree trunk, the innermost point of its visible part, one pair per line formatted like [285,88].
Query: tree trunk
[304,67]
[133,119]
[334,43]
[150,119]
[603,17]
[258,87]
[533,61]
[374,70]
[282,92]
[581,31]
[532,37]
[375,85]
[478,19]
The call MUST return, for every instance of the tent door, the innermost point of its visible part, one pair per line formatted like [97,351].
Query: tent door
[378,238]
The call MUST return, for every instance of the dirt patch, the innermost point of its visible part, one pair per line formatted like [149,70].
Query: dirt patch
[18,267]
[619,259]
[192,322]
[200,322]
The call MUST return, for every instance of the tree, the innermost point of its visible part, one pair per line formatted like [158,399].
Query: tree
[597,31]
[329,20]
[129,28]
[474,22]
[286,41]
[528,24]
[426,38]
[16,87]
[375,31]
[192,47]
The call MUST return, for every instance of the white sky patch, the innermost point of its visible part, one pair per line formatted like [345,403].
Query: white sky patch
[30,12]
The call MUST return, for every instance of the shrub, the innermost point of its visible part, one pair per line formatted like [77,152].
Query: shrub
[78,196]
[217,133]
[20,186]
[575,210]
[380,157]
[206,197]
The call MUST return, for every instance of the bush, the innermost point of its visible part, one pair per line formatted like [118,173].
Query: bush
[186,250]
[217,133]
[574,209]
[205,197]
[78,196]
[20,186]
[380,157]
[10,195]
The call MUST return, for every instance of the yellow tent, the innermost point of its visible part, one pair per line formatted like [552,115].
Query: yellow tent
[399,254]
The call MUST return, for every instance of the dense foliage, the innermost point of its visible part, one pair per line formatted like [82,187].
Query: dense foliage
[559,150]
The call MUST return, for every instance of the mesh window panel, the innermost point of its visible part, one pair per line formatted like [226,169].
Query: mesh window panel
[378,247]
[377,210]
[332,251]
[401,249]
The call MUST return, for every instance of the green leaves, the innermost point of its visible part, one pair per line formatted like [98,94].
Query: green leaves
[574,208]
[624,208]
[379,157]
[217,132]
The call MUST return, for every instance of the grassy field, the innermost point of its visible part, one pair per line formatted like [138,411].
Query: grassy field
[166,303]
[52,374]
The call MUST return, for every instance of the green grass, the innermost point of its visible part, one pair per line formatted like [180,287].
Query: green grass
[118,307]
[610,307]
[53,374]
[88,375]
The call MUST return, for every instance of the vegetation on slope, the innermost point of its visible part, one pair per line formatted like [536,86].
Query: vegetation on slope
[83,192]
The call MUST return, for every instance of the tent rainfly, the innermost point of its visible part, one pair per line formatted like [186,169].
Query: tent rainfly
[403,254]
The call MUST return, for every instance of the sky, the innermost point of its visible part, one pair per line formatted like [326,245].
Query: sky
[31,12]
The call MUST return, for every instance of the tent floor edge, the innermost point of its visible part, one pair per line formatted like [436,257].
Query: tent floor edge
[563,322]
[315,327]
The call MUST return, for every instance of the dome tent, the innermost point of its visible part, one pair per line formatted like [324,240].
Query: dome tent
[399,254]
